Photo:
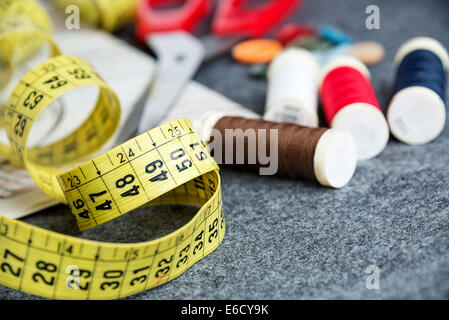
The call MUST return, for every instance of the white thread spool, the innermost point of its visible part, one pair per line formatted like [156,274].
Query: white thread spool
[416,115]
[292,88]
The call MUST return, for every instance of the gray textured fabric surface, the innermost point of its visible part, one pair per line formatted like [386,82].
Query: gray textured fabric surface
[296,240]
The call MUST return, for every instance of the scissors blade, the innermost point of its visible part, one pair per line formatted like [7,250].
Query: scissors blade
[218,46]
[179,57]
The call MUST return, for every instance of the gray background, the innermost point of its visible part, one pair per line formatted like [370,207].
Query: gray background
[297,240]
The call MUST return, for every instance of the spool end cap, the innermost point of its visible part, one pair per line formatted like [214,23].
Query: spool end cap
[335,158]
[368,126]
[423,43]
[416,115]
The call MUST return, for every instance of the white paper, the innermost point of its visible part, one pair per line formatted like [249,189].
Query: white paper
[198,100]
[127,71]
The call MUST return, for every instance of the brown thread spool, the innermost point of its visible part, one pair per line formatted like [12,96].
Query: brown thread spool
[327,156]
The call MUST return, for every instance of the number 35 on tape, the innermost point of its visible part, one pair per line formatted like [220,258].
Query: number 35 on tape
[166,165]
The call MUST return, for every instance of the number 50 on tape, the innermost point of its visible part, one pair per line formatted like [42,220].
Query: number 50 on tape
[167,165]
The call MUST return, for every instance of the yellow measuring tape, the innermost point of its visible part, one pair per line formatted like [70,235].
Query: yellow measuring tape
[167,165]
[106,14]
[24,27]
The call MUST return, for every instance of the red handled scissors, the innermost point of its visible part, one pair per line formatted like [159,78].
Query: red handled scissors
[180,54]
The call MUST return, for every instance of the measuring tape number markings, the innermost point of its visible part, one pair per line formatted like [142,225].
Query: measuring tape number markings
[166,165]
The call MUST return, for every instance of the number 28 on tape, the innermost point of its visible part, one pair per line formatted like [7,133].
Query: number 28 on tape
[166,165]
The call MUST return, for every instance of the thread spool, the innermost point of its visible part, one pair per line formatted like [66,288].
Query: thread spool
[416,113]
[327,156]
[197,100]
[292,88]
[350,103]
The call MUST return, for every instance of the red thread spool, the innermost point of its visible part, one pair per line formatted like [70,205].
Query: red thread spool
[350,103]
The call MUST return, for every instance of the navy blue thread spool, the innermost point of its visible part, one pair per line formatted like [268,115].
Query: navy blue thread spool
[417,112]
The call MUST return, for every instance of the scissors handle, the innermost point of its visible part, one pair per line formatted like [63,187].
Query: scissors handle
[238,17]
[186,17]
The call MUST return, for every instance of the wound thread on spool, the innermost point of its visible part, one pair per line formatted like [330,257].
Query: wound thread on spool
[327,156]
[417,112]
[292,88]
[350,103]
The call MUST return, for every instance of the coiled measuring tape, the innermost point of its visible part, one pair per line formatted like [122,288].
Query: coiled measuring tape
[166,165]
[106,14]
[24,27]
